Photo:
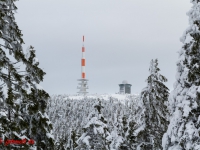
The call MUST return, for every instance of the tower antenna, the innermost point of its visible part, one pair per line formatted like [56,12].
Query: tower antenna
[83,81]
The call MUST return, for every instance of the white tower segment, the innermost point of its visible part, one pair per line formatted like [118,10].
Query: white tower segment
[83,81]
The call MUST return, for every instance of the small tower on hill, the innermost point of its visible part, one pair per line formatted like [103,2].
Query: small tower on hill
[83,81]
[125,88]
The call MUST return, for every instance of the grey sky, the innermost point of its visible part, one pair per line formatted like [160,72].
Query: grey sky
[121,37]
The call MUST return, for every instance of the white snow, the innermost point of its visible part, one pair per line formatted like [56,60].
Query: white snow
[50,135]
[120,97]
[86,140]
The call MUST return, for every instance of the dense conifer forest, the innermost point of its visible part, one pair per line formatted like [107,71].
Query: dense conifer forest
[155,119]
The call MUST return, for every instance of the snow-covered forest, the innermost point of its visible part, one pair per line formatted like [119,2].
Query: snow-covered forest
[70,114]
[155,119]
[116,122]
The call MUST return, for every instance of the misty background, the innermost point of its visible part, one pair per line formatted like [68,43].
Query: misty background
[121,38]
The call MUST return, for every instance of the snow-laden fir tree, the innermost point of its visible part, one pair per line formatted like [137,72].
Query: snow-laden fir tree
[73,137]
[11,121]
[117,136]
[95,136]
[61,144]
[15,120]
[116,139]
[130,137]
[35,103]
[154,97]
[184,129]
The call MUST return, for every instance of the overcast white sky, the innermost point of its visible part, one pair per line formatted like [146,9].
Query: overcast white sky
[121,37]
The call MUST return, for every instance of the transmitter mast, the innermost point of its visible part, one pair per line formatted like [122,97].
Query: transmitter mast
[83,81]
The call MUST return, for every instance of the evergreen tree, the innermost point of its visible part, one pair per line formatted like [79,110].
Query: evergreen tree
[184,102]
[73,137]
[11,122]
[117,134]
[116,139]
[23,114]
[60,144]
[131,137]
[35,103]
[135,123]
[95,132]
[154,97]
[124,132]
[120,131]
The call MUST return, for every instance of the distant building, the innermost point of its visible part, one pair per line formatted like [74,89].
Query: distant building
[125,88]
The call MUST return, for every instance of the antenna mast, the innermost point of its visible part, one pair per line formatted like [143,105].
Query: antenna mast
[83,81]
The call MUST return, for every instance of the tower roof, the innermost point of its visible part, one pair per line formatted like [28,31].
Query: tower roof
[125,82]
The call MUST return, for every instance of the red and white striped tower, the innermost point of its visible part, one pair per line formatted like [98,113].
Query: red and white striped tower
[83,60]
[83,81]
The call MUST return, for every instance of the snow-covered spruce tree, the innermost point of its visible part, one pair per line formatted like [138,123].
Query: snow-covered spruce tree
[130,137]
[183,130]
[61,144]
[95,136]
[73,137]
[153,97]
[35,103]
[118,141]
[124,132]
[116,136]
[11,121]
[15,121]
